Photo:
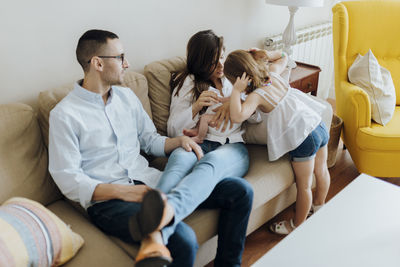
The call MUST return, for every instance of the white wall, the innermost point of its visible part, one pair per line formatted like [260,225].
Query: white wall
[38,37]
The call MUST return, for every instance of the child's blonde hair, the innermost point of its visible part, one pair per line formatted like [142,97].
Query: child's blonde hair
[240,61]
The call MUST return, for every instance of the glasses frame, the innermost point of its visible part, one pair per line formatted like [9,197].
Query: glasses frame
[122,57]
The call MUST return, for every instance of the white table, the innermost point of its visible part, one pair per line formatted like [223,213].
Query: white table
[360,226]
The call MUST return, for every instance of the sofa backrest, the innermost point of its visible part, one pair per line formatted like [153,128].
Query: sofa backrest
[364,25]
[49,99]
[158,75]
[23,157]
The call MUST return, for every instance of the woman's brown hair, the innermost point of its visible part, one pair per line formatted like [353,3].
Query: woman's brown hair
[240,61]
[202,53]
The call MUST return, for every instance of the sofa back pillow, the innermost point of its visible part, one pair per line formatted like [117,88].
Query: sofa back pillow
[49,99]
[23,157]
[158,75]
[31,235]
[376,81]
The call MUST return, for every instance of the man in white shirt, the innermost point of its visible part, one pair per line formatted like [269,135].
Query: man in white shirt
[96,133]
[95,137]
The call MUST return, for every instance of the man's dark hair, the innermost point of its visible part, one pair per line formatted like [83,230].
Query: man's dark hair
[90,44]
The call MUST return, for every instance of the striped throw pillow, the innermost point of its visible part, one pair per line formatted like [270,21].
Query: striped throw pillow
[31,235]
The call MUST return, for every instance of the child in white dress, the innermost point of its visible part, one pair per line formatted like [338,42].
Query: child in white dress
[293,125]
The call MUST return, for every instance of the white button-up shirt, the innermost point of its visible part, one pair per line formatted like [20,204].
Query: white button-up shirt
[91,142]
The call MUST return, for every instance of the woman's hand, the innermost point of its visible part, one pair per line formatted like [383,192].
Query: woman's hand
[222,115]
[206,99]
[242,82]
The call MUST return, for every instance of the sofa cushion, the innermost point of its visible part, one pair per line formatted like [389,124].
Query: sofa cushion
[49,99]
[31,235]
[23,157]
[98,250]
[158,75]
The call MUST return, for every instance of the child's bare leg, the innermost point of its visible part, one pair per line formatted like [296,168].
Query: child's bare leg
[191,132]
[200,131]
[322,176]
[303,174]
[203,126]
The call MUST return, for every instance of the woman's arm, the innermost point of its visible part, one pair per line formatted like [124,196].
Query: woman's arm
[184,114]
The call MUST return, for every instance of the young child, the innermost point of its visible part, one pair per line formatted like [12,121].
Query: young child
[199,133]
[293,125]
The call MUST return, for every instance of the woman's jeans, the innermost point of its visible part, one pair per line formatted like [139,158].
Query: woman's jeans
[214,182]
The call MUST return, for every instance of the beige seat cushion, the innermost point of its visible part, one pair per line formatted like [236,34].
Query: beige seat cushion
[99,250]
[158,75]
[23,157]
[49,99]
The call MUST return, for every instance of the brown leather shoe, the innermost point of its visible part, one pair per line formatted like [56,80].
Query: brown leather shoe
[150,216]
[153,255]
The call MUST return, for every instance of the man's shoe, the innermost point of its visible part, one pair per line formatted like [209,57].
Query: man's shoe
[153,255]
[148,219]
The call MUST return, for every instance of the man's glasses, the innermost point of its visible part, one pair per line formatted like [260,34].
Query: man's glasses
[122,57]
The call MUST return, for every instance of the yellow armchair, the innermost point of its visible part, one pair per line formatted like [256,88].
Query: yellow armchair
[357,27]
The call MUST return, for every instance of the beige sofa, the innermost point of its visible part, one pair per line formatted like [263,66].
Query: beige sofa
[24,158]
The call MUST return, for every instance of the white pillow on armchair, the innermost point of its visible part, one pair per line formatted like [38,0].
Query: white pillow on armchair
[376,81]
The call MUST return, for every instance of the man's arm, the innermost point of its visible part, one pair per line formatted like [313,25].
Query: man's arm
[118,191]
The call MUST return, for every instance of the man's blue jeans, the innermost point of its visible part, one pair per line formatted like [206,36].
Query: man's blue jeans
[188,183]
[113,218]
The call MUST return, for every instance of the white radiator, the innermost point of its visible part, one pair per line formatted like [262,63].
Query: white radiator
[313,46]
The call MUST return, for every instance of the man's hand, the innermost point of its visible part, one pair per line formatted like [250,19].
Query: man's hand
[134,193]
[189,145]
[222,115]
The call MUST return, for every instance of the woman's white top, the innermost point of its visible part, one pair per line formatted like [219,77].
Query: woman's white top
[234,135]
[180,113]
[292,119]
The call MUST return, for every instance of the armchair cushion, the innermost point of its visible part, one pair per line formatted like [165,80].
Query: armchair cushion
[382,138]
[377,82]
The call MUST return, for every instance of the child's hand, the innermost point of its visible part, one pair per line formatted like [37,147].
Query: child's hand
[242,82]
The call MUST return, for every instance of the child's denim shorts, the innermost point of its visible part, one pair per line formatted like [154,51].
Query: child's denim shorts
[315,140]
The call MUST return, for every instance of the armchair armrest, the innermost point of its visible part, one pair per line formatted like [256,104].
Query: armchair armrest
[354,106]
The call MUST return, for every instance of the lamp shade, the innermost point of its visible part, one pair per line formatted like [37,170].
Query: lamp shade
[297,3]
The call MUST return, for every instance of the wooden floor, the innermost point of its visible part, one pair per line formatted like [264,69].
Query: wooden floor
[261,240]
